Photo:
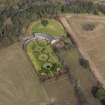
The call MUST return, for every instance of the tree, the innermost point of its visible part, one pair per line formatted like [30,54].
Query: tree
[44,22]
[84,62]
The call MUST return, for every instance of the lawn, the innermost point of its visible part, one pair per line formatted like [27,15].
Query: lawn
[43,57]
[52,28]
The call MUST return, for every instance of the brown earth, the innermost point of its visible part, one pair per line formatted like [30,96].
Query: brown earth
[19,85]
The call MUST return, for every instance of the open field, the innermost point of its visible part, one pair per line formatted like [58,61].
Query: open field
[91,43]
[19,85]
[43,57]
[52,28]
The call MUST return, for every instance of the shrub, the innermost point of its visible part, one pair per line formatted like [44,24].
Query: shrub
[44,22]
[84,62]
[94,90]
[100,94]
[88,26]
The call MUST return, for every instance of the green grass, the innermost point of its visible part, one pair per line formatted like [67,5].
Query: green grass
[38,49]
[53,28]
[72,57]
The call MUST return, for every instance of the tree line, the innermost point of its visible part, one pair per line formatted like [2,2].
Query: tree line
[14,17]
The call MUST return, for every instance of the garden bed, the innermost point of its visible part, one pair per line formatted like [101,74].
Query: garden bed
[43,58]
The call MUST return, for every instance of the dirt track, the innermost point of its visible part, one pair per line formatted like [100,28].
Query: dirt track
[79,44]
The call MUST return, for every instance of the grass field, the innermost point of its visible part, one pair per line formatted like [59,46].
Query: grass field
[53,28]
[43,57]
[92,42]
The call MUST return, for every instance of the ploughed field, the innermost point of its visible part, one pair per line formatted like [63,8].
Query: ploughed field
[90,34]
[19,85]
